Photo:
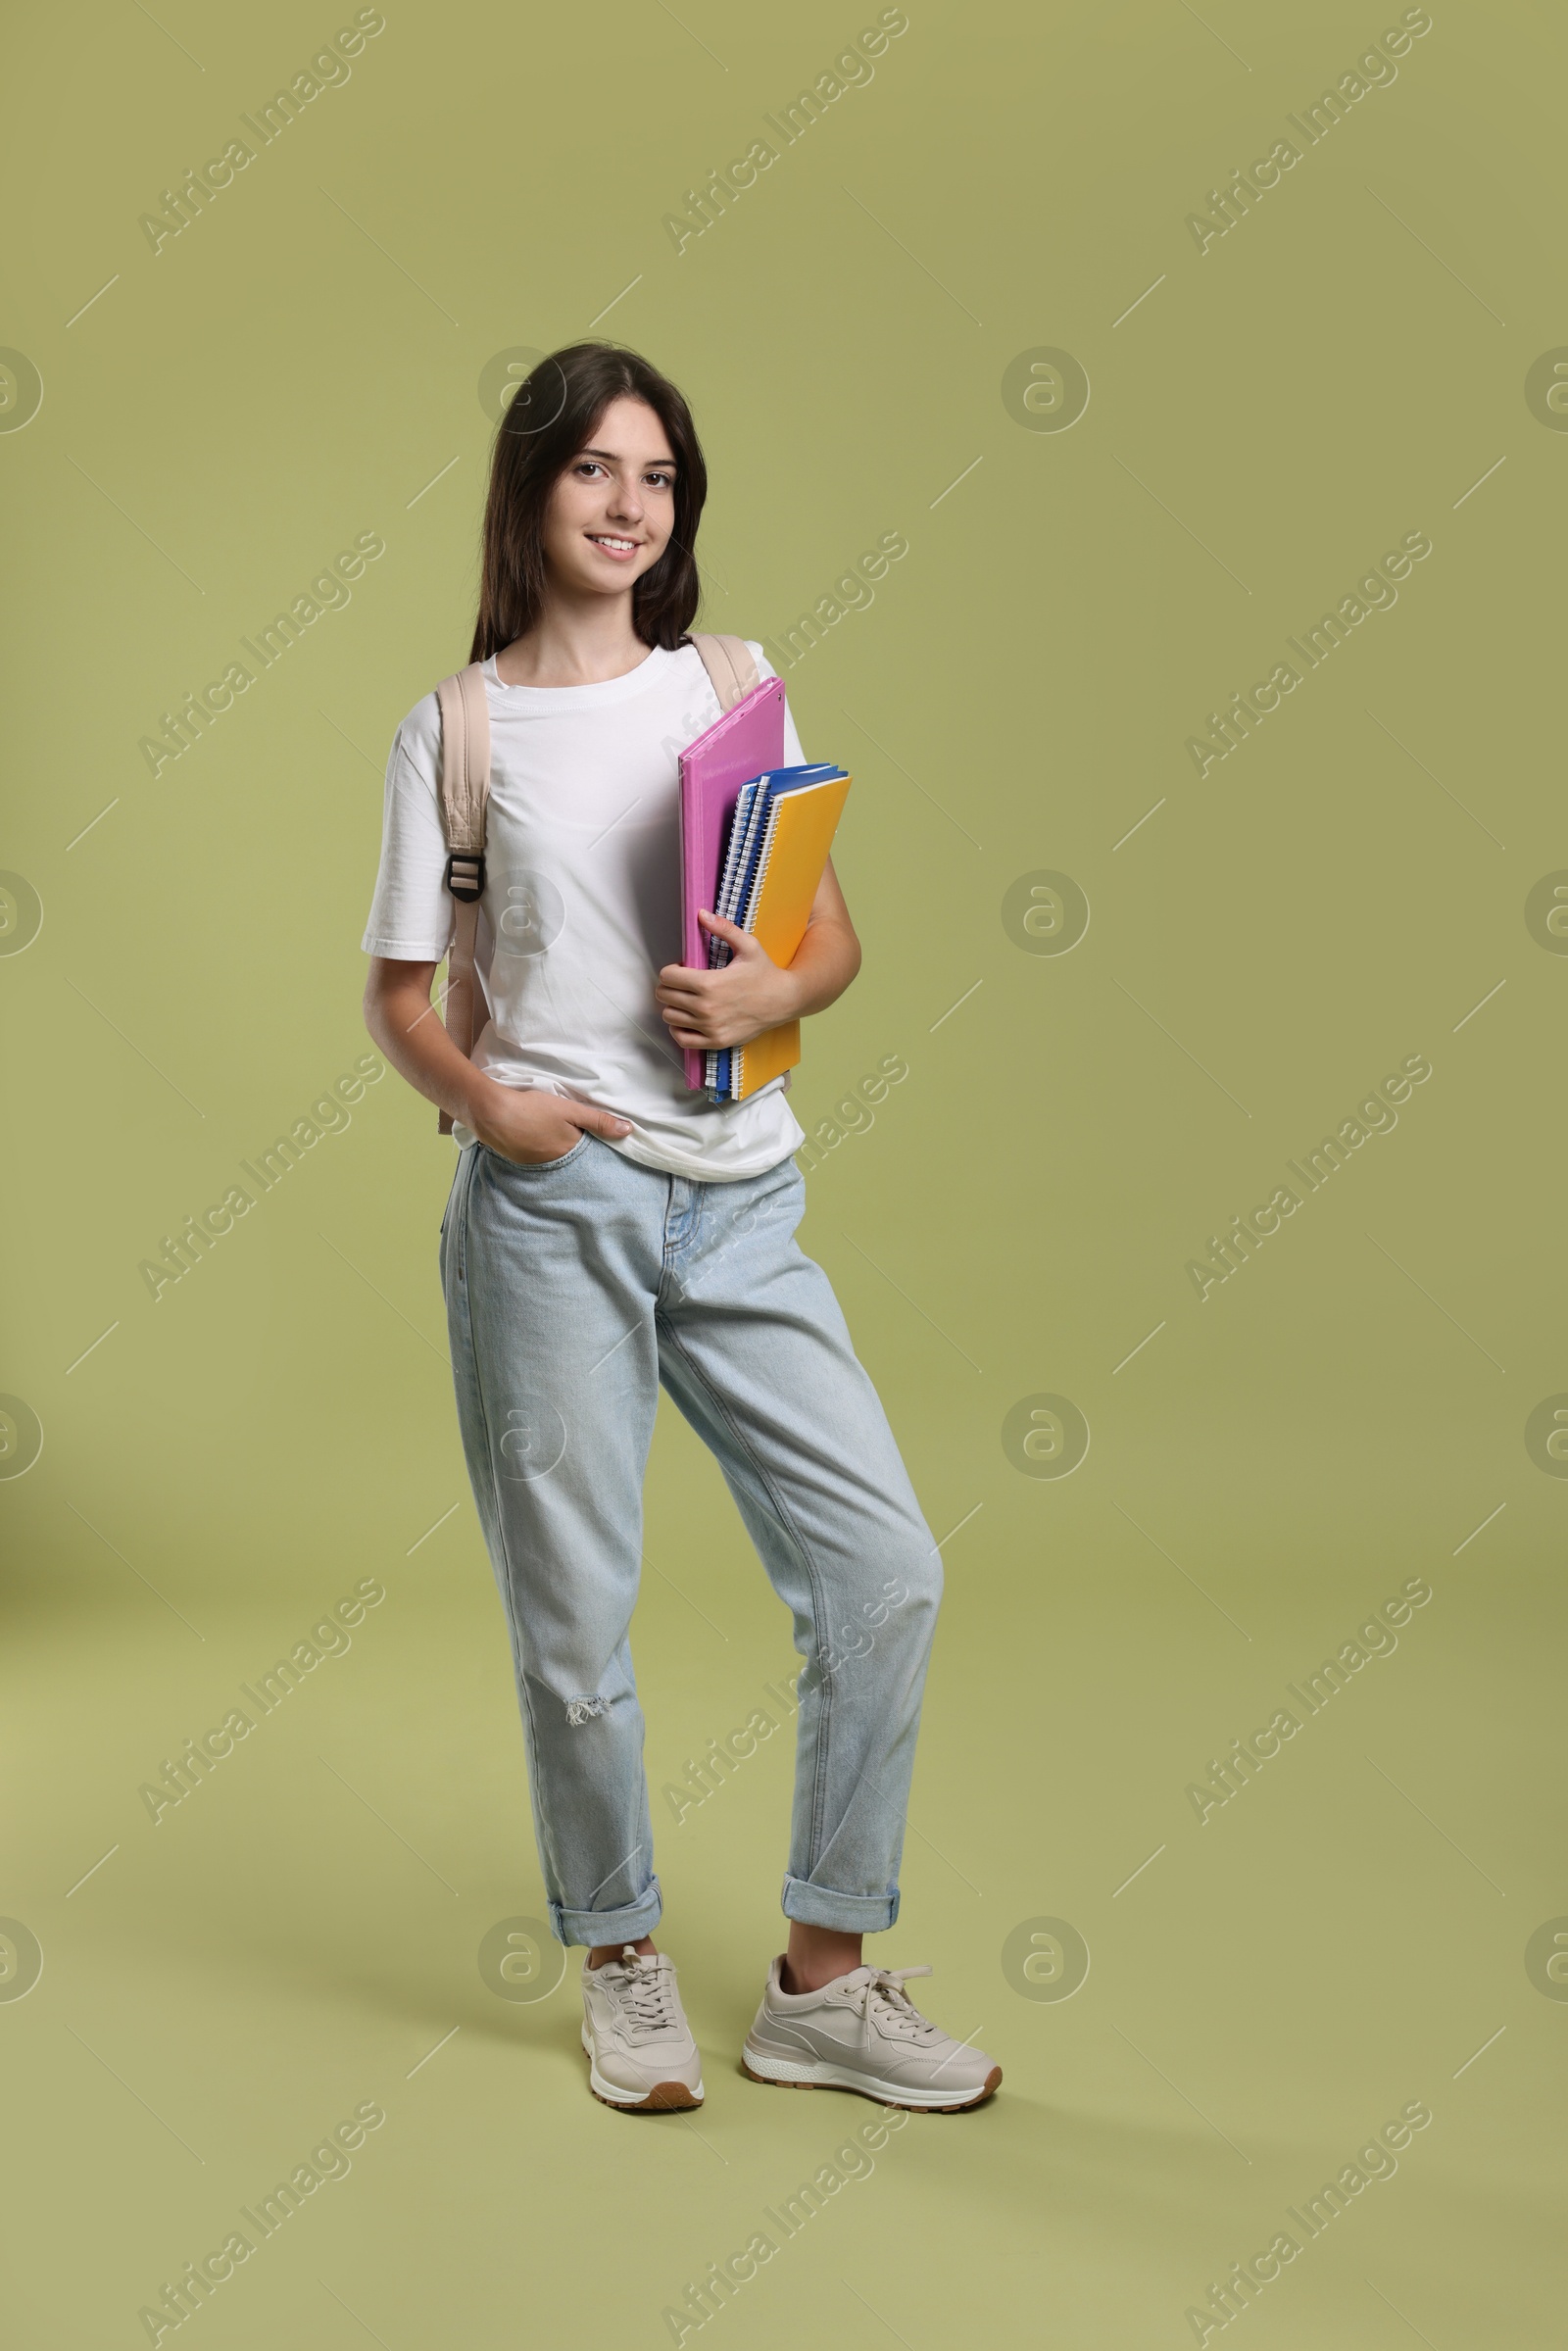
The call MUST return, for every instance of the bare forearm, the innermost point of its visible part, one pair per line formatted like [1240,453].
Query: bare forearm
[824,965]
[406,1025]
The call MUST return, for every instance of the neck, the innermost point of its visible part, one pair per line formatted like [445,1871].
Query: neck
[576,641]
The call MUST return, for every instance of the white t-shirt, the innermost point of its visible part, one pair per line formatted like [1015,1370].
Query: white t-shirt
[581,905]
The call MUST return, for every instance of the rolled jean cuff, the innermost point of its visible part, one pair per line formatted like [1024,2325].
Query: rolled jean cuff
[851,1914]
[596,1928]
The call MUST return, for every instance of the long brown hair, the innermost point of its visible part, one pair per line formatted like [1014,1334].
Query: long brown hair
[551,417]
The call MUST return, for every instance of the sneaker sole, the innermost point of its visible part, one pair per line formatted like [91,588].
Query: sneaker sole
[790,2072]
[665,2097]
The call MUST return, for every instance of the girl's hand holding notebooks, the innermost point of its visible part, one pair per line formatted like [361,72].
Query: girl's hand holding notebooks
[709,1009]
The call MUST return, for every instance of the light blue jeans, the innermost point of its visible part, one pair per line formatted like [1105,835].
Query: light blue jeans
[572,1289]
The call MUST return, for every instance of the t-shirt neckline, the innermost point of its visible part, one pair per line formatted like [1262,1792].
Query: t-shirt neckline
[580,698]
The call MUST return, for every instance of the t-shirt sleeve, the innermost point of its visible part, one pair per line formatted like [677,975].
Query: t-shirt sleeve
[794,755]
[411,913]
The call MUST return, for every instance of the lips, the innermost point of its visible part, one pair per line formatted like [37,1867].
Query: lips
[618,550]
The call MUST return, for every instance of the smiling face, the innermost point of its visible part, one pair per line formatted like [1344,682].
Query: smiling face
[611,511]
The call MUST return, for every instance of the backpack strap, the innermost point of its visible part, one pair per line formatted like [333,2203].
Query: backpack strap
[464,792]
[731,669]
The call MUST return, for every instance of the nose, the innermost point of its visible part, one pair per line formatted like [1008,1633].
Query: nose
[625,503]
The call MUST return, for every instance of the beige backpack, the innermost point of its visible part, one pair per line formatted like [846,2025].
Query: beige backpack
[464,793]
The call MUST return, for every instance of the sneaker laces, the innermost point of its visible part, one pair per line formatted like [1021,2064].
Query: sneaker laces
[879,1994]
[643,1987]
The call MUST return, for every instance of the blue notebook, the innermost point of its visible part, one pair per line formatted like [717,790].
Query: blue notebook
[746,854]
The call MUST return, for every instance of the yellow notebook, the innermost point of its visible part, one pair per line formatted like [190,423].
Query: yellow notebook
[800,829]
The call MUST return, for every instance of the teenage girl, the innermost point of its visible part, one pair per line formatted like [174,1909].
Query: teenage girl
[607,1230]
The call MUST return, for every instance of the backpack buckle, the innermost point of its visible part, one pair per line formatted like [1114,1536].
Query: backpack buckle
[466,874]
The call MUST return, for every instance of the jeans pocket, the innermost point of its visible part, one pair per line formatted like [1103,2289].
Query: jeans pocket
[540,1167]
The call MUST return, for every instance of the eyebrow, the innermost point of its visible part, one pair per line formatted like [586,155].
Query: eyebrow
[666,465]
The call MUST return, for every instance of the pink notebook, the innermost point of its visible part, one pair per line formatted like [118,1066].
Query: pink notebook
[747,741]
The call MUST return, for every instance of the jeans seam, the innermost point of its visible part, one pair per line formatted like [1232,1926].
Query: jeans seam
[781,1512]
[535,1748]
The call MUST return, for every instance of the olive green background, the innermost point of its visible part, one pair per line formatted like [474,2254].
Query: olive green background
[302,363]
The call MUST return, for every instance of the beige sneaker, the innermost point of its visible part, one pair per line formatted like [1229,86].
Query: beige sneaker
[641,2054]
[863,2033]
